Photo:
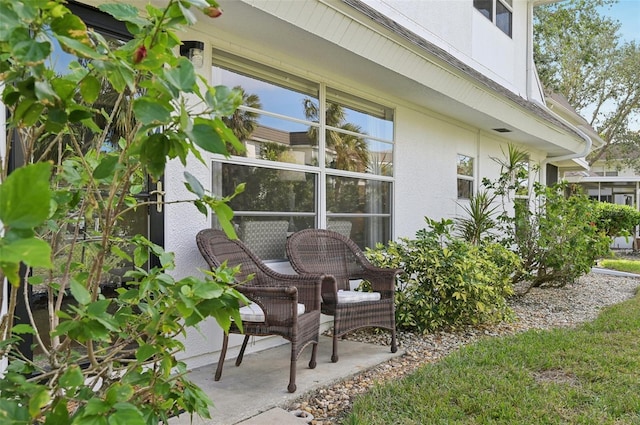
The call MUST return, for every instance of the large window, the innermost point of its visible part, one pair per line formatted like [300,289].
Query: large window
[465,177]
[314,156]
[500,12]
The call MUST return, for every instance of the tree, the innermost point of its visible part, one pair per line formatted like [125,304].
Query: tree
[110,358]
[579,54]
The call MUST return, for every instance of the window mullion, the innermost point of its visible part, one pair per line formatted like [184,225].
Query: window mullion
[322,144]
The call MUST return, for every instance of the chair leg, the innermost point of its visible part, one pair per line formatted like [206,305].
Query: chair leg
[394,343]
[244,346]
[292,375]
[314,350]
[334,354]
[223,353]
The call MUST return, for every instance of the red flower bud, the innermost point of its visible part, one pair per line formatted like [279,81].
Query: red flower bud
[212,12]
[139,54]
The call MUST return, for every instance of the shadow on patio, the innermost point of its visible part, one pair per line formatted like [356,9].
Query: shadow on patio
[259,385]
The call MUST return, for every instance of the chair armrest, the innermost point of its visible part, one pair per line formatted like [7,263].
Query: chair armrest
[279,304]
[382,279]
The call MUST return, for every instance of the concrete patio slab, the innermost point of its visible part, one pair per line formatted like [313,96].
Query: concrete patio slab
[260,383]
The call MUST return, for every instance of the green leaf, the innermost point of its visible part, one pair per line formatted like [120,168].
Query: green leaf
[124,12]
[11,271]
[70,25]
[153,153]
[25,196]
[95,406]
[194,185]
[119,393]
[23,328]
[149,111]
[37,400]
[145,352]
[90,88]
[13,409]
[140,256]
[106,167]
[182,77]
[79,292]
[72,377]
[204,134]
[78,48]
[120,253]
[8,22]
[28,50]
[32,251]
[126,414]
[207,290]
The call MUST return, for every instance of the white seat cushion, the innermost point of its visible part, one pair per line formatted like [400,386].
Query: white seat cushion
[253,313]
[345,297]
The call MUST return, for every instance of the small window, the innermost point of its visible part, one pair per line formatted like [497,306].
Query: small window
[500,12]
[465,175]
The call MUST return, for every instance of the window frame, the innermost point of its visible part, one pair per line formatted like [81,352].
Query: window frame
[353,103]
[506,5]
[468,179]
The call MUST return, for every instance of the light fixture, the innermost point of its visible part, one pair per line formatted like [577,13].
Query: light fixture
[194,51]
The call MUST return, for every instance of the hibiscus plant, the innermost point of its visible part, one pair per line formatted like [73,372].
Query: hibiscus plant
[81,143]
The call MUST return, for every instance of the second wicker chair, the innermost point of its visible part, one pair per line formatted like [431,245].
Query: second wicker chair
[328,252]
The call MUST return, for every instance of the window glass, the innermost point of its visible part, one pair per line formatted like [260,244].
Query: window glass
[503,18]
[465,176]
[351,152]
[503,13]
[273,119]
[352,195]
[283,121]
[485,7]
[465,165]
[366,204]
[465,189]
[358,115]
[279,201]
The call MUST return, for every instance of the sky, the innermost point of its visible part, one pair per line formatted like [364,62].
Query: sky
[628,13]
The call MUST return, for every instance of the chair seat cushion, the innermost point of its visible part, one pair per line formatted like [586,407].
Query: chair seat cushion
[346,297]
[253,313]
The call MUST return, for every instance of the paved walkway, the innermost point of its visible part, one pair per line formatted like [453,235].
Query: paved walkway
[254,393]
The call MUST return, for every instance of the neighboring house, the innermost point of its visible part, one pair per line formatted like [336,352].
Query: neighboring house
[420,96]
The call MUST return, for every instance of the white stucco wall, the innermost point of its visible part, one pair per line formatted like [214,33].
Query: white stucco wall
[465,33]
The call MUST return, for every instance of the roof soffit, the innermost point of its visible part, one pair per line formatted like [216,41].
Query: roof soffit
[408,67]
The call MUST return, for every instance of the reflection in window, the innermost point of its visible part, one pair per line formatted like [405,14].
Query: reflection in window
[361,202]
[285,200]
[280,122]
[272,118]
[465,177]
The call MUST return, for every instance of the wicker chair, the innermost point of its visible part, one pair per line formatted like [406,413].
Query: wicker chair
[285,305]
[326,251]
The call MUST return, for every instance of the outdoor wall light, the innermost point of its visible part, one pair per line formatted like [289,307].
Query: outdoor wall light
[194,51]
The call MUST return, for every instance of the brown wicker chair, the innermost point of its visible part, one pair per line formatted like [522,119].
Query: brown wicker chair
[279,297]
[325,251]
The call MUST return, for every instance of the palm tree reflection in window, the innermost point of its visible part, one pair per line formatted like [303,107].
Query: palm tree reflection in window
[345,151]
[243,122]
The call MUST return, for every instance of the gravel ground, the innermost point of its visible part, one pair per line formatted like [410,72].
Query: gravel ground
[537,309]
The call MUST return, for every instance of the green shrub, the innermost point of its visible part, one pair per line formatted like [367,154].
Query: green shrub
[557,238]
[447,282]
[616,220]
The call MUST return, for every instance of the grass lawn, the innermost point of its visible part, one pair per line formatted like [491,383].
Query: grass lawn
[631,266]
[586,375]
